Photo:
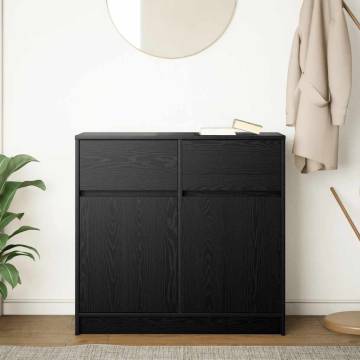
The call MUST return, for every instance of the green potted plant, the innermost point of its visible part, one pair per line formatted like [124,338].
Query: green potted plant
[9,250]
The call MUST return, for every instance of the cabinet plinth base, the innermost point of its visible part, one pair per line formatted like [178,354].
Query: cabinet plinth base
[136,324]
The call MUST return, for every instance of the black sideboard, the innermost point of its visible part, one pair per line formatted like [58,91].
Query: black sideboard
[180,233]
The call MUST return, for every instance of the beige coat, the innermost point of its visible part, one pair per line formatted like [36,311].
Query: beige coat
[319,84]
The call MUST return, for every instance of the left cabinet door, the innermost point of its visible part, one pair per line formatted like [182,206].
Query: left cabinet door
[128,259]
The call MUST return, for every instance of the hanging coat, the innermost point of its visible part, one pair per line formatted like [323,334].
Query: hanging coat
[319,84]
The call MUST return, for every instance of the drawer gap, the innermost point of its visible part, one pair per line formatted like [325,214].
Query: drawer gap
[228,193]
[127,193]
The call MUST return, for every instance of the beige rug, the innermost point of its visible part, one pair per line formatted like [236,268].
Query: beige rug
[110,352]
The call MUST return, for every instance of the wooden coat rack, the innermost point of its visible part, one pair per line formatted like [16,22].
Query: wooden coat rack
[347,215]
[333,191]
[351,14]
[346,322]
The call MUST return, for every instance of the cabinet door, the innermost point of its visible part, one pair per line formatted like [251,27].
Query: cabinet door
[231,254]
[128,259]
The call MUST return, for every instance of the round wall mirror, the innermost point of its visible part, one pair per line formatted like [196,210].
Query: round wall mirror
[171,28]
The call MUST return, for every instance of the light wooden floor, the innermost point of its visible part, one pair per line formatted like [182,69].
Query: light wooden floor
[59,331]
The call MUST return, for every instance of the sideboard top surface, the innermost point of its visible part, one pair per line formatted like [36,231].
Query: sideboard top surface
[174,136]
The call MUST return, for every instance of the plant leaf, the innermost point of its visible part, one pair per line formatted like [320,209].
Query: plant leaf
[10,189]
[10,274]
[8,218]
[4,162]
[22,229]
[37,183]
[3,290]
[7,257]
[13,164]
[12,246]
[18,161]
[3,240]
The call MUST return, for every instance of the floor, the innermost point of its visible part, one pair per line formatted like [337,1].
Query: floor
[59,331]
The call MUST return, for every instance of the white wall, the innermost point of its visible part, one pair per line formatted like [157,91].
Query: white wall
[68,71]
[1,74]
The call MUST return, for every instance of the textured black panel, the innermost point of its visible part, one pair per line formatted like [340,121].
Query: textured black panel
[180,233]
[232,165]
[128,165]
[128,254]
[231,254]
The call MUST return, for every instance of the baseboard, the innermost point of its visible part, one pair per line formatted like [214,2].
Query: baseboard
[39,307]
[67,306]
[320,307]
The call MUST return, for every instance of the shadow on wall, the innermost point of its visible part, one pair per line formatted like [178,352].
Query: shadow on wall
[295,221]
[349,134]
[300,234]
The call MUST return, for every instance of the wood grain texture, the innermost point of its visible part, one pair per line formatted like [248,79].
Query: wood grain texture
[128,259]
[128,165]
[59,331]
[77,237]
[231,255]
[283,235]
[180,233]
[232,165]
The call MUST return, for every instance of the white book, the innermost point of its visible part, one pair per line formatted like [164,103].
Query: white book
[246,126]
[217,131]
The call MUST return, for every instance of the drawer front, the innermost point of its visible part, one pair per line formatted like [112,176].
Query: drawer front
[232,165]
[128,165]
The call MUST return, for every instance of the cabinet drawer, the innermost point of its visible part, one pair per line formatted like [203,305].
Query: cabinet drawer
[128,165]
[232,165]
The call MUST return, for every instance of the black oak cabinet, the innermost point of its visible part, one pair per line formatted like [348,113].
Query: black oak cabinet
[180,233]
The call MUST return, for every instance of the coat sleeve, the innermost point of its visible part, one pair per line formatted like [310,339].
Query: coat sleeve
[339,65]
[294,74]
